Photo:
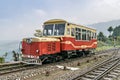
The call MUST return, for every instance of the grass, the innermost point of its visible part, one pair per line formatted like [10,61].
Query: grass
[104,46]
[2,60]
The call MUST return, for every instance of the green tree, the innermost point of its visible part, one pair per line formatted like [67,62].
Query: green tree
[5,55]
[15,56]
[118,40]
[38,33]
[101,37]
[116,31]
[110,29]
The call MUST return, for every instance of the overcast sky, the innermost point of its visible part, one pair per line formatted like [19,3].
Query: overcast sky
[20,18]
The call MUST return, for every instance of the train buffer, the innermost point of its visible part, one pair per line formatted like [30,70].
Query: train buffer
[33,61]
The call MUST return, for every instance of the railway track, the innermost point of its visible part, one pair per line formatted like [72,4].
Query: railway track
[104,71]
[24,70]
[15,68]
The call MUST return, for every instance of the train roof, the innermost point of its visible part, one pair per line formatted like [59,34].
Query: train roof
[64,21]
[55,21]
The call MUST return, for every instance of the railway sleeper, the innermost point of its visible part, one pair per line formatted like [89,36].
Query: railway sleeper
[102,69]
[90,76]
[117,70]
[98,71]
[94,73]
[111,76]
[114,73]
[107,78]
[84,78]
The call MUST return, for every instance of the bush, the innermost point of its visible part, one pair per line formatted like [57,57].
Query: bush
[2,60]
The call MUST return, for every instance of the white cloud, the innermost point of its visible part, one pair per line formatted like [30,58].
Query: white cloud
[113,3]
[101,11]
[40,12]
[93,12]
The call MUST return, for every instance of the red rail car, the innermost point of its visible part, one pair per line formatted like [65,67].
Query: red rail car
[61,39]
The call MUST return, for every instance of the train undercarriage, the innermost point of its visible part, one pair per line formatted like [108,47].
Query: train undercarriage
[58,56]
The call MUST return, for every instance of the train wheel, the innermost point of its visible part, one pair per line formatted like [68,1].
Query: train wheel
[79,54]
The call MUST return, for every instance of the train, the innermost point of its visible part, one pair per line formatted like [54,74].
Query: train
[60,40]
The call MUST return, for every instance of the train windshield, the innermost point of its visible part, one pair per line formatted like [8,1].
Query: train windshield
[54,30]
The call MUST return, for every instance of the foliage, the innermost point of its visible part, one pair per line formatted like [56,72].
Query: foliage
[5,55]
[38,33]
[15,56]
[116,31]
[100,44]
[101,37]
[2,60]
[109,41]
[117,40]
[103,46]
[110,29]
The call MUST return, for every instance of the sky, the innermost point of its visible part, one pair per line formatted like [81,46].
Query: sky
[20,18]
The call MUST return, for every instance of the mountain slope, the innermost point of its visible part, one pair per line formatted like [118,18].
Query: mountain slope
[103,26]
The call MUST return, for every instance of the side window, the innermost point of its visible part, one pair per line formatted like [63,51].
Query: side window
[68,31]
[95,36]
[83,34]
[78,34]
[92,35]
[88,35]
[72,31]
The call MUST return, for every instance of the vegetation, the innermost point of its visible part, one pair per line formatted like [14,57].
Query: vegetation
[101,37]
[2,60]
[15,56]
[117,40]
[5,55]
[110,29]
[116,31]
[113,38]
[111,41]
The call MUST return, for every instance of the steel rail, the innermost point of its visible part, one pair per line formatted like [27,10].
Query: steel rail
[114,59]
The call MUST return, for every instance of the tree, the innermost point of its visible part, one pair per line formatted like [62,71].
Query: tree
[38,33]
[5,55]
[116,31]
[101,37]
[15,56]
[118,40]
[110,29]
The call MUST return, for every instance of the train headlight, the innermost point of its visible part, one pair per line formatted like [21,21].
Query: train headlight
[22,50]
[37,51]
[29,40]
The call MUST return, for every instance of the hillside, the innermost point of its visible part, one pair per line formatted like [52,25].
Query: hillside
[103,26]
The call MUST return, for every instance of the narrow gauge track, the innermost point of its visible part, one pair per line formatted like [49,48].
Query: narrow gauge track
[20,67]
[101,71]
[10,68]
[15,68]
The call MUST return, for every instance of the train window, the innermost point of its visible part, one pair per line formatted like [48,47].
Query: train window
[54,29]
[95,36]
[44,32]
[83,34]
[72,31]
[48,30]
[92,35]
[78,34]
[68,31]
[88,35]
[59,29]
